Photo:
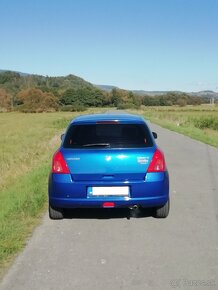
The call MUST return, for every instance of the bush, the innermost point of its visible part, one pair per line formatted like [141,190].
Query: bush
[181,102]
[210,122]
[36,101]
[5,101]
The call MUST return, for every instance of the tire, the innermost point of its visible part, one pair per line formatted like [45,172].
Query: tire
[163,211]
[55,213]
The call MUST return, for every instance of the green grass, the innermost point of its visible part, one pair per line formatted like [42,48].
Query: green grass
[198,122]
[27,142]
[21,204]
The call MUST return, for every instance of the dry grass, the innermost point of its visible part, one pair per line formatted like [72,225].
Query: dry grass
[198,122]
[27,142]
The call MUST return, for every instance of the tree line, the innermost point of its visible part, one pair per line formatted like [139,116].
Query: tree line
[33,93]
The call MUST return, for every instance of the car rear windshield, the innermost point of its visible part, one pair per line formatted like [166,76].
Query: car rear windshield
[108,136]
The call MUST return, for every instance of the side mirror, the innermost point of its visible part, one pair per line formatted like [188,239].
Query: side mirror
[154,135]
[62,136]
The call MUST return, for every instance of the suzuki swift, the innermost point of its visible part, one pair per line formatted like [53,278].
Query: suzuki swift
[108,161]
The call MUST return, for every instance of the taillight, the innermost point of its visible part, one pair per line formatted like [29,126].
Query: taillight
[59,165]
[157,163]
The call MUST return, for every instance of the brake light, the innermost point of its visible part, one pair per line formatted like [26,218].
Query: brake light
[157,163]
[59,165]
[108,122]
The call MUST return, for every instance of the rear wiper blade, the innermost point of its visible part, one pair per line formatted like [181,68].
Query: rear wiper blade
[97,145]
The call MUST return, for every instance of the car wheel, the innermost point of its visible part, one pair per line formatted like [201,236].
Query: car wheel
[163,211]
[55,213]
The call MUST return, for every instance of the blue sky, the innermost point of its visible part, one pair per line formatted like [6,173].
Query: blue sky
[132,44]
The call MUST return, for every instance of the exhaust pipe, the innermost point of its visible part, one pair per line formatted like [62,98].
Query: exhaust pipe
[135,206]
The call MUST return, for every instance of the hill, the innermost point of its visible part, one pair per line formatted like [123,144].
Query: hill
[203,94]
[37,93]
[21,73]
[20,80]
[16,81]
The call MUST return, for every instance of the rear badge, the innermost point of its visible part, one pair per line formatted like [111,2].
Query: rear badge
[73,158]
[142,160]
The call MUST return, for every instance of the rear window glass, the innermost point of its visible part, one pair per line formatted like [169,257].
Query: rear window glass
[108,136]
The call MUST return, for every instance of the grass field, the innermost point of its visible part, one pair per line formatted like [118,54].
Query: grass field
[27,142]
[198,122]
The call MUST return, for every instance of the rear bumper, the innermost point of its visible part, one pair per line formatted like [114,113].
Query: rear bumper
[151,192]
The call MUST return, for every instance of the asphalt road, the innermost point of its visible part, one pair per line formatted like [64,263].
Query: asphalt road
[108,250]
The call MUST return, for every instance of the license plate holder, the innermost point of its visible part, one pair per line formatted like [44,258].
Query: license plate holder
[108,191]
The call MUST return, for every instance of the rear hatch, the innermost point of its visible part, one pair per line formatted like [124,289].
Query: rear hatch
[108,152]
[108,165]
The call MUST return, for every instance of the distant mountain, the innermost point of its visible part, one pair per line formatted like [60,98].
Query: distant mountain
[150,93]
[204,94]
[109,88]
[106,88]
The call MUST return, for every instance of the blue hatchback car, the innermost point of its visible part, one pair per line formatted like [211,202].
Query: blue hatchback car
[108,161]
